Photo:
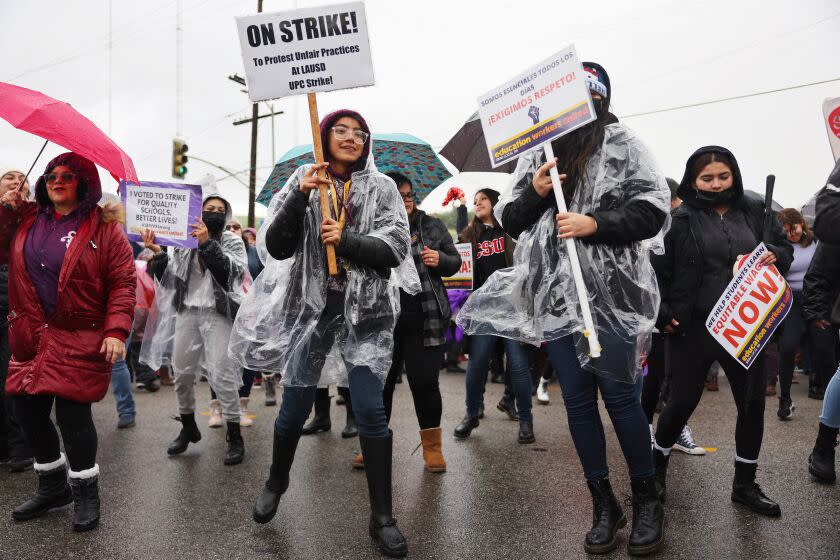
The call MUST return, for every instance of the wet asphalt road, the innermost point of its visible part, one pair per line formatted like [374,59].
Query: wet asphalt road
[498,499]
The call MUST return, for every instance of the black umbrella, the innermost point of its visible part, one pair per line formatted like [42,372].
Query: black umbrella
[809,210]
[467,150]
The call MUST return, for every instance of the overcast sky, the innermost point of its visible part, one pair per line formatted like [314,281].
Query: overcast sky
[432,59]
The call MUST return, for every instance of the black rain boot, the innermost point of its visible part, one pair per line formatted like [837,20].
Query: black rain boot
[383,527]
[189,434]
[821,460]
[746,491]
[465,428]
[607,518]
[350,430]
[282,456]
[270,390]
[85,501]
[660,467]
[321,421]
[236,445]
[648,532]
[53,492]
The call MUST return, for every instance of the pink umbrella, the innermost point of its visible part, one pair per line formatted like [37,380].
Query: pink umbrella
[58,122]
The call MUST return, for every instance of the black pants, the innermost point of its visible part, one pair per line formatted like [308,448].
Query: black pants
[422,368]
[691,356]
[12,443]
[658,373]
[74,420]
[823,354]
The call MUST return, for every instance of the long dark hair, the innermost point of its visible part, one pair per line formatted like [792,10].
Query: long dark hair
[791,217]
[574,150]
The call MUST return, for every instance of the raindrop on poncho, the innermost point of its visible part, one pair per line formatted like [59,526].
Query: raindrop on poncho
[535,300]
[275,330]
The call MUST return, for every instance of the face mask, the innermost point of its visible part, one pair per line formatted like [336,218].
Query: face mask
[215,222]
[715,198]
[601,106]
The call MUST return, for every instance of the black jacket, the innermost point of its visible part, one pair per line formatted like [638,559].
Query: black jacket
[681,269]
[617,225]
[434,235]
[827,223]
[822,283]
[285,234]
[216,262]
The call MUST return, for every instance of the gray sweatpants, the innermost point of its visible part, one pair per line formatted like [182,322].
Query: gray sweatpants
[201,339]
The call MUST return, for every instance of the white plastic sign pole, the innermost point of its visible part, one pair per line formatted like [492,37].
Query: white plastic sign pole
[583,296]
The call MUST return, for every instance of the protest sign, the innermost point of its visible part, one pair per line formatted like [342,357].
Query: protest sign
[543,103]
[463,279]
[305,51]
[546,102]
[168,209]
[751,308]
[831,112]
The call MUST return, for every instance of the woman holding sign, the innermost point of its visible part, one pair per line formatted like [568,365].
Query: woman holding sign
[618,205]
[71,305]
[315,328]
[715,225]
[198,294]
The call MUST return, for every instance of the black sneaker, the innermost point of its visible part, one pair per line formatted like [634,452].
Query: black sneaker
[786,408]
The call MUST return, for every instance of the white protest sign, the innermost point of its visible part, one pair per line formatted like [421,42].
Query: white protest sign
[305,51]
[167,209]
[545,102]
[751,308]
[831,112]
[463,279]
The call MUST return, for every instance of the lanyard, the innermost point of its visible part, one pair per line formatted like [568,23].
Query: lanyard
[338,208]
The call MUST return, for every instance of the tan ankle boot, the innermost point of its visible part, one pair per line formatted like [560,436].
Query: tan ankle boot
[358,461]
[432,453]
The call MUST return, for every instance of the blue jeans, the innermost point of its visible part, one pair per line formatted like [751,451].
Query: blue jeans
[481,350]
[831,403]
[121,386]
[580,395]
[365,394]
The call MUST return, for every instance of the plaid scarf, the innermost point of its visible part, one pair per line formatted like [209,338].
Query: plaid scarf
[433,327]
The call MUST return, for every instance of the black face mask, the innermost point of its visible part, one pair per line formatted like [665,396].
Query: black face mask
[601,106]
[215,222]
[715,198]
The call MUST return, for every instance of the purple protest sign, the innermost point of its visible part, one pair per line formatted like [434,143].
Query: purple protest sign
[168,209]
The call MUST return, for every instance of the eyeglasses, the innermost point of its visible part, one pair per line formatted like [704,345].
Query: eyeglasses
[344,133]
[65,177]
[407,196]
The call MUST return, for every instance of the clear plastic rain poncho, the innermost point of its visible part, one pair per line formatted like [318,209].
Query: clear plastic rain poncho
[197,300]
[535,300]
[281,324]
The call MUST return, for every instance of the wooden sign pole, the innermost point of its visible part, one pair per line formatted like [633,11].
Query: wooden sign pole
[332,266]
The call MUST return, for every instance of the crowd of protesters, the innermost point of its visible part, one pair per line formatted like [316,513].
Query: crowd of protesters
[86,308]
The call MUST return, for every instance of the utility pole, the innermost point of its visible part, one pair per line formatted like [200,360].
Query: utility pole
[252,179]
[178,62]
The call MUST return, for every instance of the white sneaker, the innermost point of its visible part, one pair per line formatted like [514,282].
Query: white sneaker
[215,420]
[542,391]
[685,443]
[244,419]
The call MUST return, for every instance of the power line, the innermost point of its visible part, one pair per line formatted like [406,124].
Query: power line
[702,103]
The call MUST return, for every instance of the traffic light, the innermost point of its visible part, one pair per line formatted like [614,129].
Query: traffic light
[179,158]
